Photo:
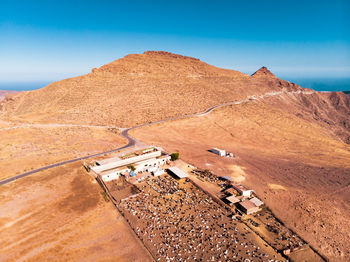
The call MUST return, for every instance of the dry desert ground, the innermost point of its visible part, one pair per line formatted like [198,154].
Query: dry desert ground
[299,169]
[61,215]
[26,148]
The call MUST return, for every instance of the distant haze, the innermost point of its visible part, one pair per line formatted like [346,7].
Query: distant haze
[22,86]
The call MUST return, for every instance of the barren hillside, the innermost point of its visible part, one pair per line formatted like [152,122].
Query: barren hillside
[288,149]
[139,88]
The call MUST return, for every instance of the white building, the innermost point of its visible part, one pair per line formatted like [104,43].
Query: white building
[154,152]
[152,164]
[177,172]
[148,160]
[219,152]
[110,175]
[242,190]
[158,172]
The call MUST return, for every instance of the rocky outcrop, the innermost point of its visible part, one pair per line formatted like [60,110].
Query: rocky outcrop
[264,72]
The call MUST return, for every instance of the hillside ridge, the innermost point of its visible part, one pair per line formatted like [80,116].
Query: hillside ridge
[139,88]
[263,72]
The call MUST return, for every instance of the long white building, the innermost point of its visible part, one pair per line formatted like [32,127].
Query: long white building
[127,161]
[148,160]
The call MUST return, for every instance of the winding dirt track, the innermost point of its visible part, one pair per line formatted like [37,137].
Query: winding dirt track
[125,132]
[53,126]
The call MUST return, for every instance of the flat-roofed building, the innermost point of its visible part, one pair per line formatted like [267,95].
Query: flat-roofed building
[128,160]
[257,201]
[107,161]
[113,174]
[242,190]
[232,199]
[158,172]
[177,172]
[218,151]
[146,160]
[145,165]
[227,178]
[152,164]
[248,207]
[164,159]
[231,191]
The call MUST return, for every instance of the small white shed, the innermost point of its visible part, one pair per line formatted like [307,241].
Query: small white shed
[219,152]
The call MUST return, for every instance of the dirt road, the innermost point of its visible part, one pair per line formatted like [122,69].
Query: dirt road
[125,132]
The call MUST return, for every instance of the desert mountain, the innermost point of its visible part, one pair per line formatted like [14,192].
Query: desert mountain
[264,72]
[140,88]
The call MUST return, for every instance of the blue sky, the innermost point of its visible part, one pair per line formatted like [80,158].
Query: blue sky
[52,40]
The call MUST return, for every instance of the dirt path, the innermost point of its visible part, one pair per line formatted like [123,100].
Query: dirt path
[125,132]
[55,126]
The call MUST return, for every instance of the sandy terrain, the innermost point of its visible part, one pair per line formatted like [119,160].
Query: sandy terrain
[60,215]
[24,149]
[299,168]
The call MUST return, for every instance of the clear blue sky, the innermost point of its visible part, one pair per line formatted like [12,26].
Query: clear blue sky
[51,40]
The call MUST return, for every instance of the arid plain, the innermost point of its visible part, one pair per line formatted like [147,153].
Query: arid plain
[291,148]
[300,170]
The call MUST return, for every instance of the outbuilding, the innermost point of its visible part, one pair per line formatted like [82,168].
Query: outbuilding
[158,172]
[177,172]
[226,178]
[257,201]
[248,207]
[242,190]
[232,199]
[110,175]
[231,191]
[217,151]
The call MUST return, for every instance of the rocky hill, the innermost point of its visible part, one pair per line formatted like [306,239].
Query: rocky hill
[289,147]
[139,88]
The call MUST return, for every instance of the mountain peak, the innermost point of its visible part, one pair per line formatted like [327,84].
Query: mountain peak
[263,72]
[168,54]
[162,64]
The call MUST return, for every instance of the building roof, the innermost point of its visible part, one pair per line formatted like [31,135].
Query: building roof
[163,156]
[226,178]
[178,172]
[242,188]
[108,160]
[247,204]
[256,201]
[159,171]
[113,171]
[233,199]
[231,191]
[220,150]
[126,161]
[145,161]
